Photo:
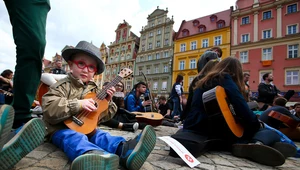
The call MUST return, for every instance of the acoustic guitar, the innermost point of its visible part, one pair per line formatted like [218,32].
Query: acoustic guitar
[216,102]
[42,89]
[288,121]
[150,118]
[86,122]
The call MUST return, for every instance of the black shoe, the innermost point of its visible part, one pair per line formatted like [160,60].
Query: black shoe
[262,154]
[131,127]
[135,151]
[286,149]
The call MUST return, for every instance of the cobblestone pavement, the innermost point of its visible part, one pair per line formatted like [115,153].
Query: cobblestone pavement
[48,157]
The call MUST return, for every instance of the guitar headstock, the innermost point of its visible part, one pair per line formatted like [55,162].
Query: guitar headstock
[125,72]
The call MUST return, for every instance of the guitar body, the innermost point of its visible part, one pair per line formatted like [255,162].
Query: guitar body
[43,89]
[216,102]
[150,118]
[89,119]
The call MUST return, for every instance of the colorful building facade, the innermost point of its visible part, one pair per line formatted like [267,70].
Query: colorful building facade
[196,36]
[265,37]
[122,54]
[155,53]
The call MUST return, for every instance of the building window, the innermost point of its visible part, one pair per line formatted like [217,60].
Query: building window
[293,51]
[193,45]
[150,46]
[267,15]
[149,57]
[182,47]
[157,43]
[218,40]
[164,85]
[166,54]
[192,64]
[267,34]
[150,34]
[244,57]
[166,68]
[142,59]
[267,54]
[166,41]
[128,57]
[245,38]
[157,56]
[156,69]
[292,8]
[245,20]
[140,71]
[158,32]
[152,24]
[181,65]
[128,85]
[148,70]
[292,29]
[220,25]
[201,29]
[292,77]
[185,33]
[155,84]
[204,43]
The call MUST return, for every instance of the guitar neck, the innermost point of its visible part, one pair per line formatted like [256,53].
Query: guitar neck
[113,83]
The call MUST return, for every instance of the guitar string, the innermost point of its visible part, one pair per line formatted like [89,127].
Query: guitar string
[99,96]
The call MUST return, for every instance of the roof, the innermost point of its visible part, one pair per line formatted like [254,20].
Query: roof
[204,21]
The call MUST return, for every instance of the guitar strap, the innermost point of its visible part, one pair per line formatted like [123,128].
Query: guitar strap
[284,118]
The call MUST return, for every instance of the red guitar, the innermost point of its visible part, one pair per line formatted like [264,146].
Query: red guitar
[86,122]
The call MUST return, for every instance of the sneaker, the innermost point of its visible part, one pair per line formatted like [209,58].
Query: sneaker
[95,161]
[28,138]
[131,127]
[286,149]
[262,154]
[6,122]
[135,151]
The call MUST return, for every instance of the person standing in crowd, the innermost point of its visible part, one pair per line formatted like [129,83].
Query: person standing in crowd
[28,20]
[58,67]
[247,86]
[132,101]
[176,97]
[267,91]
[64,99]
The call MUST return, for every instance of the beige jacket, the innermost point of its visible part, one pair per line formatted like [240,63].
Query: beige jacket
[61,102]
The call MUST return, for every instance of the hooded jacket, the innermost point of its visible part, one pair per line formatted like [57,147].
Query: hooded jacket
[61,102]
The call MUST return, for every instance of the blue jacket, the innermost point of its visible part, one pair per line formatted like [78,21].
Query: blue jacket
[197,119]
[133,104]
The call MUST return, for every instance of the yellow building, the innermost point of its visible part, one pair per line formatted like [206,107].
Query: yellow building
[194,38]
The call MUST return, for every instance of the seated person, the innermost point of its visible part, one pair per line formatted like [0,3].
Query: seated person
[132,101]
[65,99]
[6,84]
[256,143]
[164,109]
[112,110]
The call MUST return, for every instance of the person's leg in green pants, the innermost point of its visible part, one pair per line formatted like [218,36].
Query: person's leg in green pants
[28,20]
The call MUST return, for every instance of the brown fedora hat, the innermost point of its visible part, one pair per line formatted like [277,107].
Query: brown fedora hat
[88,49]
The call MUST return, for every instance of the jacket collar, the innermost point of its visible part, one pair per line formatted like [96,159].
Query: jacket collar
[78,83]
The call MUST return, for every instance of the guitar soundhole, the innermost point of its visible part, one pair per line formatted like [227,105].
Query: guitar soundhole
[152,115]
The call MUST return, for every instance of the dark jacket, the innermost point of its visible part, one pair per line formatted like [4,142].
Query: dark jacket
[58,71]
[198,121]
[267,93]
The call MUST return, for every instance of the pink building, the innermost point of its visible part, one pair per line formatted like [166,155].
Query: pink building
[265,37]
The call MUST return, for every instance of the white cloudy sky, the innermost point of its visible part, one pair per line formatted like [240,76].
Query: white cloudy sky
[70,21]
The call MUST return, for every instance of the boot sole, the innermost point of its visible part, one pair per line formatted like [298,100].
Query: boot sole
[286,149]
[6,121]
[96,162]
[28,138]
[142,150]
[259,153]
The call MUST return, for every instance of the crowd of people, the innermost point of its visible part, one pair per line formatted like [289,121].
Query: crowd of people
[267,133]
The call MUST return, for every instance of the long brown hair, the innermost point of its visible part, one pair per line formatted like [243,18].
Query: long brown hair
[206,69]
[229,65]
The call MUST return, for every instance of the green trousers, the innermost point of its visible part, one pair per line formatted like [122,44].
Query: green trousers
[28,20]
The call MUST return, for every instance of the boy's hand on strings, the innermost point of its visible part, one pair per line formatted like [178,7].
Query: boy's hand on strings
[110,92]
[87,104]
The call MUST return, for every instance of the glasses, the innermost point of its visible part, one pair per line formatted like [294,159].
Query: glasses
[119,86]
[81,64]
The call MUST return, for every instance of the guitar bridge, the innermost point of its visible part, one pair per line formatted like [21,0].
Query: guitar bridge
[77,121]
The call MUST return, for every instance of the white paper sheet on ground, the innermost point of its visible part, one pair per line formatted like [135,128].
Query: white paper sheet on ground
[184,154]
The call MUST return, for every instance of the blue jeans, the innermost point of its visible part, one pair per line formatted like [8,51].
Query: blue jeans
[75,144]
[176,107]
